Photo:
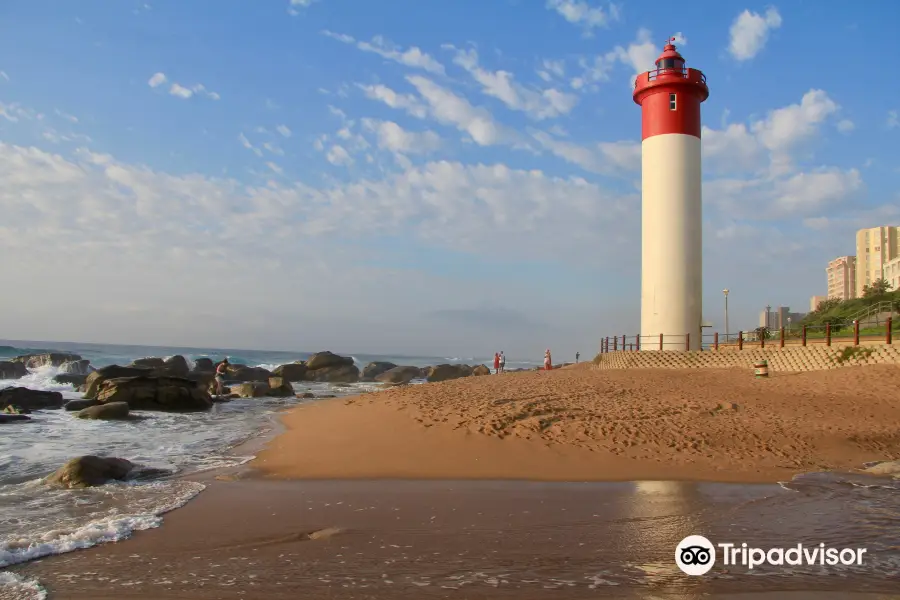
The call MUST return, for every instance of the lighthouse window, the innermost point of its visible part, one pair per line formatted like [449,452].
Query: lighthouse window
[673,104]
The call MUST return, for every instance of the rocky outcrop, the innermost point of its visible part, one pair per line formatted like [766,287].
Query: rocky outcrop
[46,359]
[292,371]
[12,370]
[13,418]
[88,471]
[110,411]
[481,370]
[75,379]
[150,362]
[158,393]
[335,374]
[245,373]
[446,372]
[326,359]
[76,405]
[78,367]
[30,399]
[279,387]
[175,366]
[374,369]
[96,379]
[251,389]
[204,364]
[399,375]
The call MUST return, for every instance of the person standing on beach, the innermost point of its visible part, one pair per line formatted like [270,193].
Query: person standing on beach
[221,371]
[577,356]
[496,363]
[502,362]
[548,361]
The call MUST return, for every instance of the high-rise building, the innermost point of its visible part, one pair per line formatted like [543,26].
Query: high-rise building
[815,301]
[875,247]
[779,317]
[842,277]
[892,273]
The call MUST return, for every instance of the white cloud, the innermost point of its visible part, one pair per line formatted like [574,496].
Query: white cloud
[552,69]
[641,54]
[406,102]
[273,149]
[16,112]
[846,126]
[450,109]
[338,156]
[394,138]
[412,57]
[580,13]
[750,32]
[249,146]
[893,119]
[538,104]
[181,92]
[275,168]
[608,158]
[284,130]
[156,80]
[295,6]
[66,116]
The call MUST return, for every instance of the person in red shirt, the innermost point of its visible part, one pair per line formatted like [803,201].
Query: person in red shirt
[496,363]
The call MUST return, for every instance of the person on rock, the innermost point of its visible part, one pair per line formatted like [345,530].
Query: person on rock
[221,372]
[496,363]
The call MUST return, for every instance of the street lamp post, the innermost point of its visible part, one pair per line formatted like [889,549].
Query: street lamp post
[725,291]
[789,325]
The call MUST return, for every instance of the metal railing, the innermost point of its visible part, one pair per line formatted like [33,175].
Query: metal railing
[805,335]
[685,73]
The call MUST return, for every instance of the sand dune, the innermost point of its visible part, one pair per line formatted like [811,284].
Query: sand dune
[587,424]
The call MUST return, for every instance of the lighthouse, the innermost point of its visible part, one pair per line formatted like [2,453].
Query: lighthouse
[671,206]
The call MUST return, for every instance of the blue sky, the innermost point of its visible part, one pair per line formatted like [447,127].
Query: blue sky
[417,176]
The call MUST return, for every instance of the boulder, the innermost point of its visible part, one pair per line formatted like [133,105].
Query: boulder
[76,405]
[245,373]
[251,389]
[204,364]
[46,359]
[481,370]
[335,374]
[12,370]
[176,365]
[106,412]
[75,379]
[885,467]
[30,399]
[321,360]
[95,379]
[8,418]
[78,367]
[445,372]
[150,362]
[292,371]
[374,369]
[399,375]
[306,395]
[279,387]
[162,393]
[88,471]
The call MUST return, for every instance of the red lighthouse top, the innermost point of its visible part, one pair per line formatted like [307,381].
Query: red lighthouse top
[670,95]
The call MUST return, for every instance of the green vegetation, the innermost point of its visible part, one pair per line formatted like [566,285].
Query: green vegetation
[840,314]
[851,352]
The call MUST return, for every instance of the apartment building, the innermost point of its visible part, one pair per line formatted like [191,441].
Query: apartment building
[875,247]
[842,277]
[779,317]
[815,301]
[892,273]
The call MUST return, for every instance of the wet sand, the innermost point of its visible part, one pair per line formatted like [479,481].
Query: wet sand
[592,425]
[381,540]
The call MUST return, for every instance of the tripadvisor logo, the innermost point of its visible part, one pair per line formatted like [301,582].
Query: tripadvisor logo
[696,555]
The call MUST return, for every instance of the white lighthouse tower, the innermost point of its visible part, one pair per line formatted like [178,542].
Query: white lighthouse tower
[671,221]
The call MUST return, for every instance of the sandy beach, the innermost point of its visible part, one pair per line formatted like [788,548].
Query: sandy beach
[401,494]
[583,424]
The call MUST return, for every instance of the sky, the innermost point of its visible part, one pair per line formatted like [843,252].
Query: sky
[401,176]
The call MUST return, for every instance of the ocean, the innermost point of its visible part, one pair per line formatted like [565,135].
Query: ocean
[37,521]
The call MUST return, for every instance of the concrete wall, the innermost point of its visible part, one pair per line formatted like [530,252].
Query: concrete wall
[797,358]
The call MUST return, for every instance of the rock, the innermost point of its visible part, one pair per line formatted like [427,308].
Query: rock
[7,418]
[75,379]
[279,387]
[306,395]
[445,372]
[151,362]
[292,371]
[204,364]
[374,369]
[399,375]
[162,393]
[327,396]
[30,399]
[75,405]
[481,370]
[176,365]
[251,389]
[106,412]
[78,367]
[245,373]
[95,379]
[88,471]
[335,374]
[321,360]
[887,467]
[46,359]
[12,370]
